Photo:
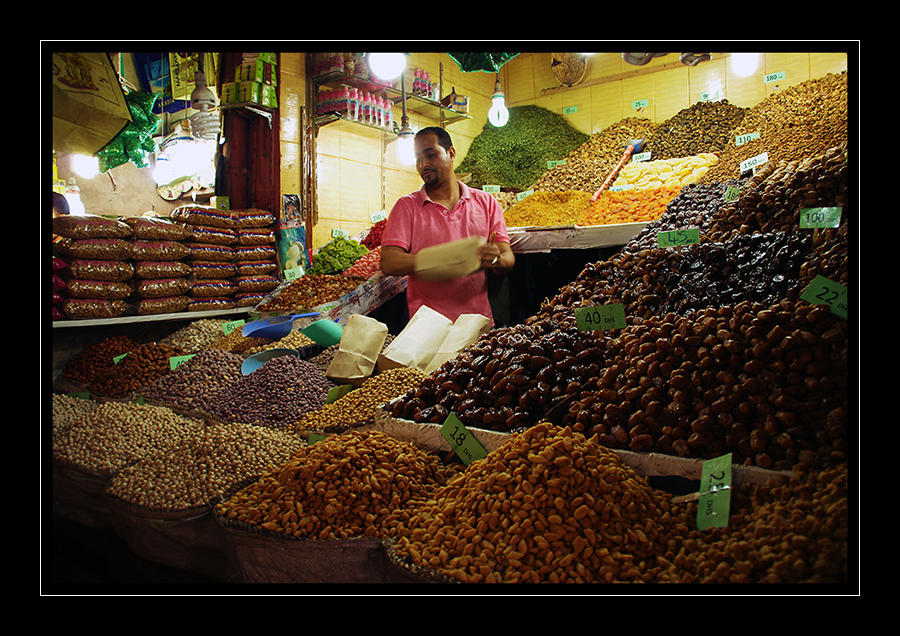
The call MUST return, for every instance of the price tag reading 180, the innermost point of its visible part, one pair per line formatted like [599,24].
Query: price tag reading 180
[675,238]
[600,317]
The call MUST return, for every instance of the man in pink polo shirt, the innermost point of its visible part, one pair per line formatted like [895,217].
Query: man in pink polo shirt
[444,209]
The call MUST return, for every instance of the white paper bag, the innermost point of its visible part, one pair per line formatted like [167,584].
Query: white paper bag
[467,329]
[361,341]
[415,346]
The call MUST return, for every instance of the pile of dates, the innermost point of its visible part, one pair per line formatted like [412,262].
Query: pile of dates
[510,378]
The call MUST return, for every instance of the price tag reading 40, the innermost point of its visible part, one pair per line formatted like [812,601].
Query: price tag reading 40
[715,493]
[461,440]
[600,317]
[679,237]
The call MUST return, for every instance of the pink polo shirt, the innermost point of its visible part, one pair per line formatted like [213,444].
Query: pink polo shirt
[416,222]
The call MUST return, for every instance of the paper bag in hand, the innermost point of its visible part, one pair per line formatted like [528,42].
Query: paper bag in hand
[361,342]
[455,259]
[416,345]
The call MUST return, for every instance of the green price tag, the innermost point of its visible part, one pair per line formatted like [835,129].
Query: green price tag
[640,103]
[339,233]
[461,440]
[732,193]
[493,189]
[715,493]
[826,292]
[690,236]
[820,217]
[553,164]
[335,393]
[177,361]
[378,216]
[600,317]
[621,188]
[641,156]
[293,273]
[740,140]
[315,437]
[522,195]
[568,110]
[231,325]
[773,77]
[118,359]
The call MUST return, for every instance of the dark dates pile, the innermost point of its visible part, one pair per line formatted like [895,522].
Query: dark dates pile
[509,379]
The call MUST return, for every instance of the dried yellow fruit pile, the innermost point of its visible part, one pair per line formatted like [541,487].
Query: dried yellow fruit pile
[643,175]
[548,209]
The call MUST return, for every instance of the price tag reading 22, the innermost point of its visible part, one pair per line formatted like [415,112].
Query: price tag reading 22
[600,317]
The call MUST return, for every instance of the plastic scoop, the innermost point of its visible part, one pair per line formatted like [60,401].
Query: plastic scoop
[275,327]
[254,362]
[634,145]
[324,333]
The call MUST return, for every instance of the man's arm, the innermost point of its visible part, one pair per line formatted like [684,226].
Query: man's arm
[395,261]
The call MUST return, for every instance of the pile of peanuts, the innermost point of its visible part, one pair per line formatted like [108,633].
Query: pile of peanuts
[67,410]
[202,467]
[345,486]
[551,505]
[193,385]
[112,435]
[361,404]
[139,368]
[236,342]
[276,395]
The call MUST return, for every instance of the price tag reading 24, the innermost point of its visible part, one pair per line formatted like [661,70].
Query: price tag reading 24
[715,493]
[679,237]
[600,317]
[461,440]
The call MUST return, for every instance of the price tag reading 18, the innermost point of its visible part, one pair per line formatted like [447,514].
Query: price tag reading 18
[461,440]
[675,238]
[600,317]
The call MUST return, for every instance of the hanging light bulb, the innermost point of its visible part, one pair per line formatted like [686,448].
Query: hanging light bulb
[406,151]
[86,166]
[387,66]
[73,196]
[744,64]
[205,123]
[498,115]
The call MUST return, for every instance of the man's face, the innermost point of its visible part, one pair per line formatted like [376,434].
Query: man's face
[433,161]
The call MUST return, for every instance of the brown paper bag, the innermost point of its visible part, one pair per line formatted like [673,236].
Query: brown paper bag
[416,345]
[89,108]
[361,341]
[454,259]
[467,329]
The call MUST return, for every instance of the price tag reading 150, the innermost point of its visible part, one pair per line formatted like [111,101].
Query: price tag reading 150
[600,317]
[679,237]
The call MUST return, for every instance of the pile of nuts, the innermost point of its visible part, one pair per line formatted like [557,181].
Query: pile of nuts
[236,342]
[276,395]
[193,385]
[548,506]
[510,378]
[552,505]
[309,291]
[112,435]
[202,467]
[800,121]
[703,127]
[294,340]
[67,410]
[96,359]
[344,486]
[360,405]
[196,335]
[137,369]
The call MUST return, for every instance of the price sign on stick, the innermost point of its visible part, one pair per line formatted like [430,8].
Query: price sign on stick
[461,440]
[715,493]
[600,317]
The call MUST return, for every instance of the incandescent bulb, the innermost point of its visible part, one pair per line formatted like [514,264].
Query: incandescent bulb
[387,66]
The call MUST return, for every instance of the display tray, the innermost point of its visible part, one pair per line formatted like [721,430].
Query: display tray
[524,240]
[428,437]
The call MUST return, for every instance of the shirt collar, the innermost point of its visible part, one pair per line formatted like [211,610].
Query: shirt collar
[465,192]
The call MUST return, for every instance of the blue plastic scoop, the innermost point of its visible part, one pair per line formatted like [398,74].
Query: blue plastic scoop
[275,327]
